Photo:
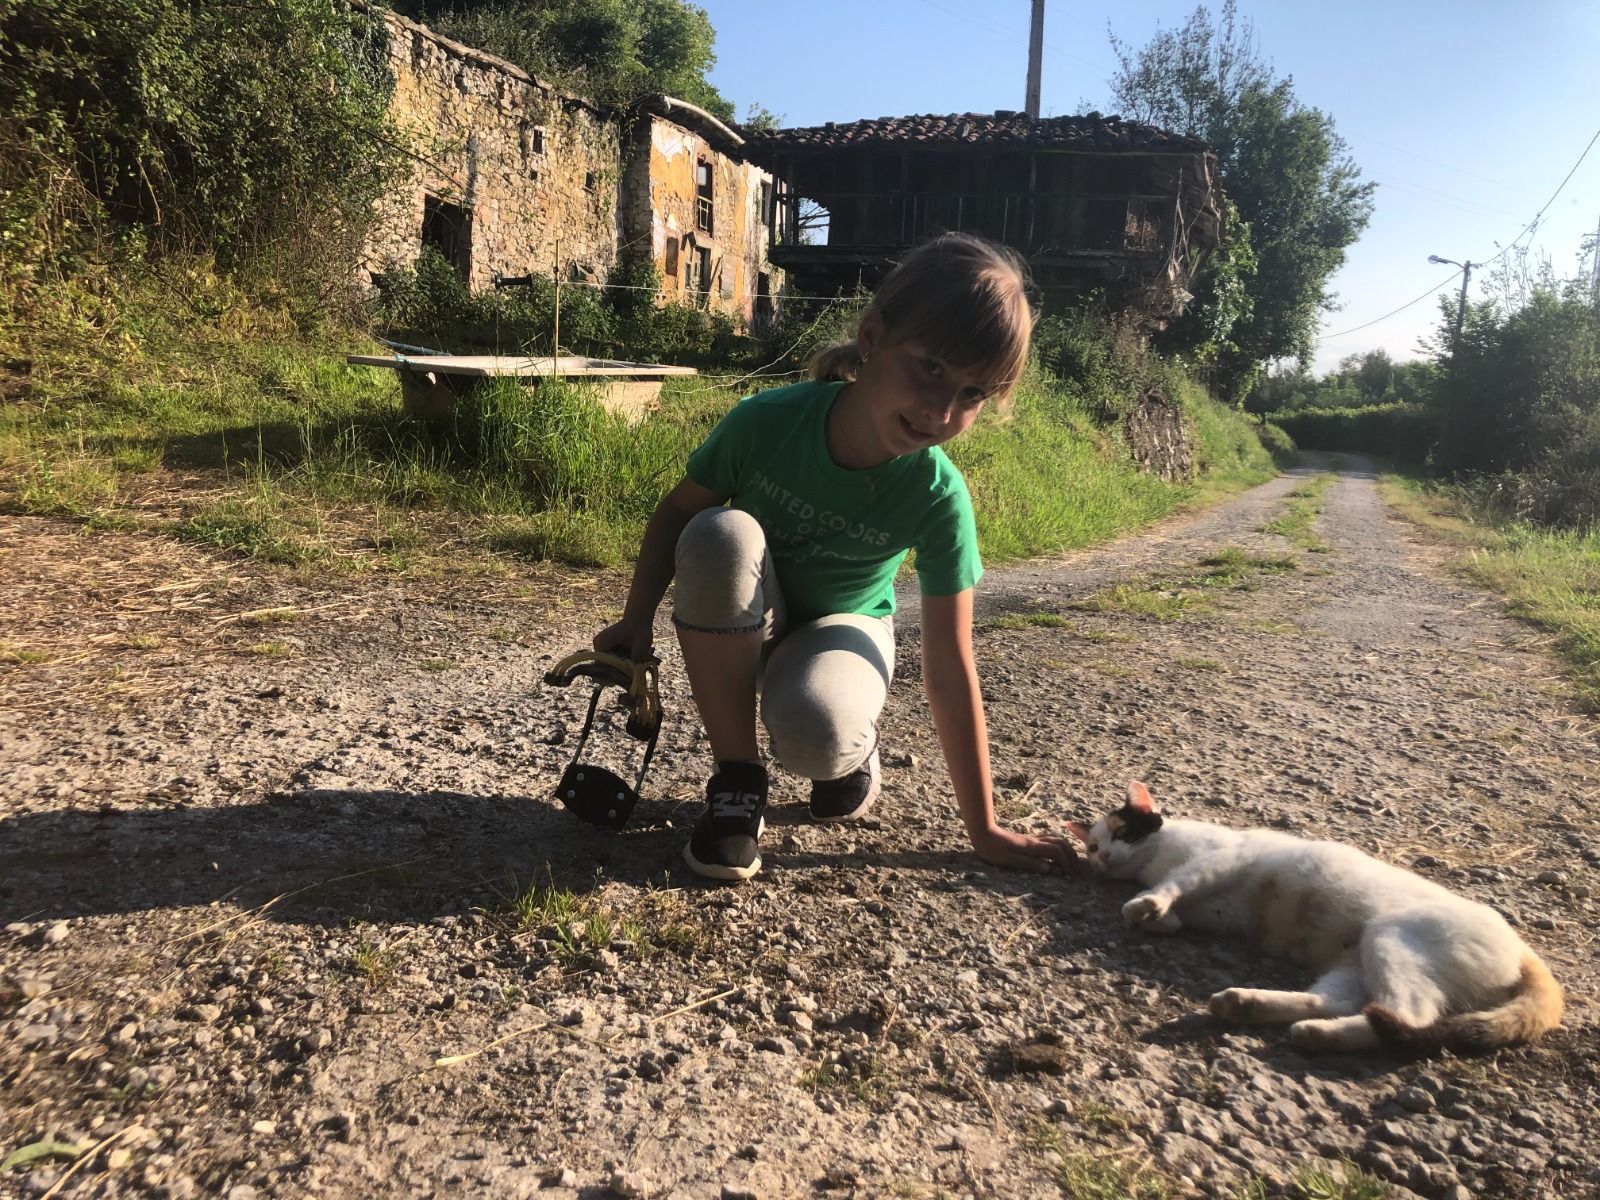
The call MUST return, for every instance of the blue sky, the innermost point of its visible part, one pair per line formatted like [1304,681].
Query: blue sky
[1468,114]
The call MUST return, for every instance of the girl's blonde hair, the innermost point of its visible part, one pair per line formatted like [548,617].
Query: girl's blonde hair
[960,297]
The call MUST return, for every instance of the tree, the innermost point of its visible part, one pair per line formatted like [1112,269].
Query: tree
[1281,163]
[612,51]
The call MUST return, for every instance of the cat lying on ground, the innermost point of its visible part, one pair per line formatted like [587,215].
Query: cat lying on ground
[1404,962]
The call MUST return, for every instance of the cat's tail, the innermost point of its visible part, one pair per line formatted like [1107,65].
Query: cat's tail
[1534,1008]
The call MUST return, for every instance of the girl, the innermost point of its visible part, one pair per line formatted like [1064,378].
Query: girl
[789,591]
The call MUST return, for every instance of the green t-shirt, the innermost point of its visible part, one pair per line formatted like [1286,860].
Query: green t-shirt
[838,536]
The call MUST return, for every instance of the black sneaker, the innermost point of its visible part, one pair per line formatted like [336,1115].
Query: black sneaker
[724,842]
[846,799]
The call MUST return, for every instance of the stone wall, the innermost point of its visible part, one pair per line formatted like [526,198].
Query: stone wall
[663,181]
[1158,437]
[537,181]
[537,171]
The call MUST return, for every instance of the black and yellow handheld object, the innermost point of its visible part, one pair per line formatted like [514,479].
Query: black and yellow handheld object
[593,793]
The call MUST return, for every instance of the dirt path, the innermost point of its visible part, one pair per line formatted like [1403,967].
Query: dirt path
[267,851]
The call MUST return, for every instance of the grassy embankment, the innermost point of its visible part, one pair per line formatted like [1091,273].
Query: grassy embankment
[226,427]
[1548,577]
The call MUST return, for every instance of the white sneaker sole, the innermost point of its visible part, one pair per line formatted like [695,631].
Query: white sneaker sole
[721,870]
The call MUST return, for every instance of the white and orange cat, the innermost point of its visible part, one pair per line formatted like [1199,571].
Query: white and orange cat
[1403,961]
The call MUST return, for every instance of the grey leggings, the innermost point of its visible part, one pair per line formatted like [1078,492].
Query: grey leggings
[824,682]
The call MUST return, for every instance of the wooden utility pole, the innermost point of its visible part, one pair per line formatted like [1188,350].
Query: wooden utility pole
[1035,58]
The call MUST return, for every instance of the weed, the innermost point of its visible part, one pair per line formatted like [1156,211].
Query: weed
[271,616]
[436,665]
[144,641]
[1043,620]
[1112,670]
[1089,1177]
[1154,600]
[1100,1116]
[372,962]
[270,649]
[1350,1183]
[1193,663]
[21,654]
[1041,1136]
[536,905]
[1296,523]
[866,1080]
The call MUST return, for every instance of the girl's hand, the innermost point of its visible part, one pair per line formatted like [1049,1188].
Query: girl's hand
[1026,851]
[631,638]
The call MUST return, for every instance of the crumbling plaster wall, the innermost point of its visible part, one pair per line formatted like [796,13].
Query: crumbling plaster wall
[663,186]
[538,170]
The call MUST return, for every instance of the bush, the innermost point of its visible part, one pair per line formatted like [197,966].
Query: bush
[1399,431]
[240,131]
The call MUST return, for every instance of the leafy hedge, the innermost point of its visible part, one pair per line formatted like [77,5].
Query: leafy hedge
[247,131]
[1399,431]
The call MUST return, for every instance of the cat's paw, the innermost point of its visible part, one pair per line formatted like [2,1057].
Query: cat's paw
[1147,909]
[1235,1004]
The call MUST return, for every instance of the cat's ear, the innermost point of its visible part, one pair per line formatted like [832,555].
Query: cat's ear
[1139,797]
[1079,831]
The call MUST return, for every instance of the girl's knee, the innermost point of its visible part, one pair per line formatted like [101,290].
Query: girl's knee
[813,741]
[721,534]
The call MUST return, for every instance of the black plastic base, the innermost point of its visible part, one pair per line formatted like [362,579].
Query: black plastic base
[596,795]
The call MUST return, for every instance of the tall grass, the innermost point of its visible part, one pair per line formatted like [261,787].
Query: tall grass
[1548,577]
[240,433]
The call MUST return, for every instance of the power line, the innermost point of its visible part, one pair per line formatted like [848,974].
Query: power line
[1534,224]
[1531,225]
[1432,291]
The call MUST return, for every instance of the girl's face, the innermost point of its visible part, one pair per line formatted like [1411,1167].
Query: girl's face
[918,399]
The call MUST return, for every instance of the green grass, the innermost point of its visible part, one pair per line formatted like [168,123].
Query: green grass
[1084,1176]
[1155,600]
[1347,1182]
[1166,600]
[270,649]
[21,654]
[1299,519]
[242,434]
[1549,578]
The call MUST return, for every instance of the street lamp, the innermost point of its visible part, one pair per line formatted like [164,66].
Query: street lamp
[1466,276]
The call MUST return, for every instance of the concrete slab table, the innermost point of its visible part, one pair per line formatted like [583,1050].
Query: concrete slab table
[430,384]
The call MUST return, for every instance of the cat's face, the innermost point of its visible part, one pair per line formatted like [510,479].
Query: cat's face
[1119,844]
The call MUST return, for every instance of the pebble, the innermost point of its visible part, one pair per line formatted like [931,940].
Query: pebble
[1414,1099]
[629,1183]
[56,934]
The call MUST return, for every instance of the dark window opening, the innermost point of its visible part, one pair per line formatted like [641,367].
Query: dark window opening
[763,312]
[448,229]
[766,202]
[590,181]
[702,198]
[671,271]
[704,254]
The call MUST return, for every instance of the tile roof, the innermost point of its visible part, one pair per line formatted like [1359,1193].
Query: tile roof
[1003,128]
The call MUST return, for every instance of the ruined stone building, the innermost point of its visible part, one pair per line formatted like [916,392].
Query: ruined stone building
[511,177]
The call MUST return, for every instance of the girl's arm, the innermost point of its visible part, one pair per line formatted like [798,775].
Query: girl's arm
[951,679]
[654,569]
